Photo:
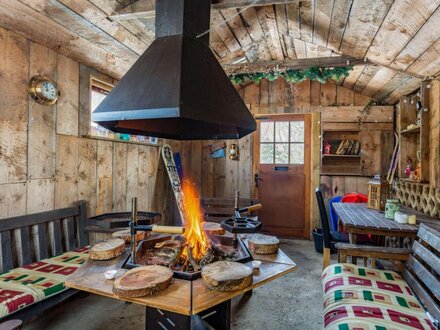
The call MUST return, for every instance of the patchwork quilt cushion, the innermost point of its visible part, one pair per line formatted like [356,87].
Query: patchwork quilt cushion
[359,298]
[23,286]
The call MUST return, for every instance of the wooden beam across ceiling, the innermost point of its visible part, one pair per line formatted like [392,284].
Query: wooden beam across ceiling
[300,63]
[146,8]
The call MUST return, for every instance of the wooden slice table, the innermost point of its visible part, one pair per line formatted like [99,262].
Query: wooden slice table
[183,303]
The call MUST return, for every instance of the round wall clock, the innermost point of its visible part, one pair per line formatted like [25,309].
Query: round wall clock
[43,90]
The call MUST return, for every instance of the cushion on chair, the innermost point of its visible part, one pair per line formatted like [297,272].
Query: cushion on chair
[362,298]
[23,286]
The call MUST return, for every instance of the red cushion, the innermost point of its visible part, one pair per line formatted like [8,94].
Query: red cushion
[354,198]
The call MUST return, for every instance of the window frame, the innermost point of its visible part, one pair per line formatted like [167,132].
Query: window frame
[96,82]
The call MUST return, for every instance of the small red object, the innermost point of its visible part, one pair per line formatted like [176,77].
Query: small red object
[354,198]
[327,148]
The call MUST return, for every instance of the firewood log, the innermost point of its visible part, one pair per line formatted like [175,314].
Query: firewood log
[143,281]
[263,244]
[227,276]
[107,250]
[213,228]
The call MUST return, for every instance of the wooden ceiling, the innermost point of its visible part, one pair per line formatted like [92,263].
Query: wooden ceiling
[399,39]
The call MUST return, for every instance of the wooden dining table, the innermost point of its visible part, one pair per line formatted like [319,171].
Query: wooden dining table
[357,218]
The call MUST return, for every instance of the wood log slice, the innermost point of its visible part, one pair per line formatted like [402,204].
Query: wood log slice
[143,281]
[227,276]
[263,244]
[125,235]
[213,228]
[107,250]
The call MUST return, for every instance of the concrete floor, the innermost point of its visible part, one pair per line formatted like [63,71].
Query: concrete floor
[290,302]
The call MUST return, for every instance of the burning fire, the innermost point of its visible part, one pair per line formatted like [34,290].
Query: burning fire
[194,234]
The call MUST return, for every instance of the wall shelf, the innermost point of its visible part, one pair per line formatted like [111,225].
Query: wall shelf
[411,131]
[340,156]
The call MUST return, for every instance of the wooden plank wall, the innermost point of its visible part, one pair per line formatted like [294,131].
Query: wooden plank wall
[434,134]
[45,164]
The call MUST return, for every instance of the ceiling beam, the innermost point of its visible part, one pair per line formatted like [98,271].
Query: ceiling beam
[287,64]
[146,8]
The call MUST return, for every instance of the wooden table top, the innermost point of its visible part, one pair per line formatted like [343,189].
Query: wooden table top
[358,215]
[177,297]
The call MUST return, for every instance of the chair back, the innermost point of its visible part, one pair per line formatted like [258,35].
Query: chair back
[422,270]
[324,219]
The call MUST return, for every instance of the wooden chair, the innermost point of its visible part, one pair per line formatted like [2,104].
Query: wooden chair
[325,225]
[219,209]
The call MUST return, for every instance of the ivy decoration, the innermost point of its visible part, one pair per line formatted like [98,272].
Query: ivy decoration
[293,76]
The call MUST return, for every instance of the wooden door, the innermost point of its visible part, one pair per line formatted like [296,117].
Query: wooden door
[282,174]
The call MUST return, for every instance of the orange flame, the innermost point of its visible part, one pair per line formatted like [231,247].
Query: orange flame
[194,234]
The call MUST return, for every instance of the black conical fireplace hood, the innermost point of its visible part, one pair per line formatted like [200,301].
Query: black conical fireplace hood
[177,89]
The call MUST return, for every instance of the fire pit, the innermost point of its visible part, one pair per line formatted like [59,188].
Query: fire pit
[166,250]
[186,254]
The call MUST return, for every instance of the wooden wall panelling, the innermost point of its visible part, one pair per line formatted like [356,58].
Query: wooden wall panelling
[104,176]
[245,178]
[345,97]
[87,156]
[68,102]
[315,151]
[142,187]
[315,96]
[302,99]
[66,180]
[132,175]
[120,177]
[41,195]
[153,156]
[377,114]
[41,140]
[14,66]
[207,172]
[195,166]
[434,131]
[12,199]
[328,94]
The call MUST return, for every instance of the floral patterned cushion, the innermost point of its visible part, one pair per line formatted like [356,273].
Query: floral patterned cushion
[359,298]
[23,286]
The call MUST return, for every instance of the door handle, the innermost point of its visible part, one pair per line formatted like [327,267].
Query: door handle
[257,179]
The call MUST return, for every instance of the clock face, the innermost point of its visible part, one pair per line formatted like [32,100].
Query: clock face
[49,90]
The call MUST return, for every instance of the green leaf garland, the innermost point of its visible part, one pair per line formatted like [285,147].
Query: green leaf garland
[294,76]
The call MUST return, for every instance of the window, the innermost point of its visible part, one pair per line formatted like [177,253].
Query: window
[282,142]
[99,91]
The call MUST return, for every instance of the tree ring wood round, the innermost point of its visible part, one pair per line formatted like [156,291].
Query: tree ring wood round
[143,281]
[126,235]
[263,244]
[213,228]
[107,250]
[227,276]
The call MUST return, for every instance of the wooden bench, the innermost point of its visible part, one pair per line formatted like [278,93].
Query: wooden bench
[30,238]
[419,269]
[219,209]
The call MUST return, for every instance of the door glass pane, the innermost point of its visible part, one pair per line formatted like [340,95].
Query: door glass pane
[296,131]
[281,131]
[266,153]
[282,153]
[266,128]
[297,153]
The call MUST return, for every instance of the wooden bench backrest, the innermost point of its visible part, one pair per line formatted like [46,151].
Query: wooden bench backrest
[29,238]
[219,209]
[422,270]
